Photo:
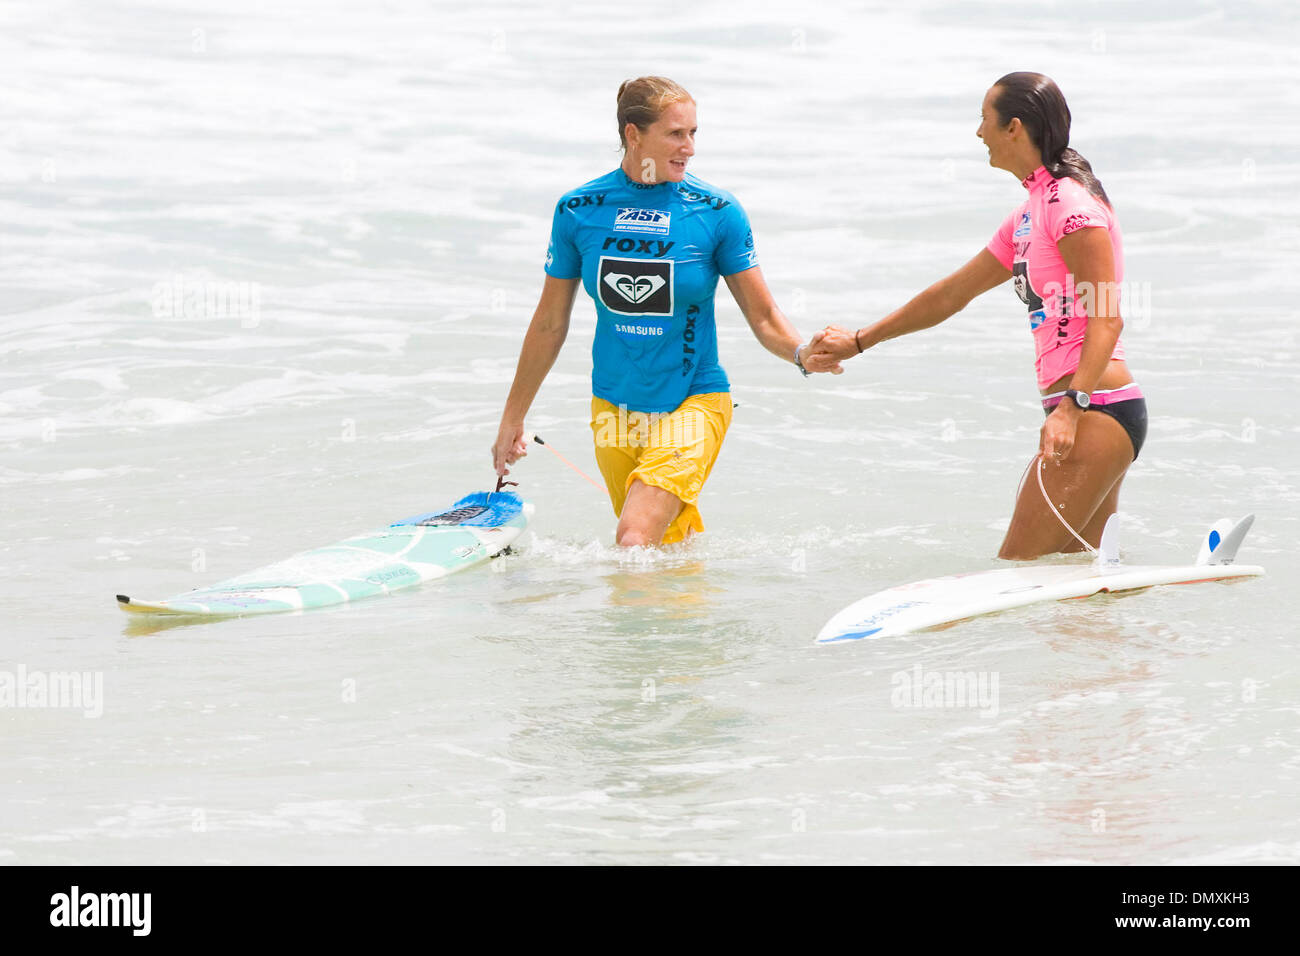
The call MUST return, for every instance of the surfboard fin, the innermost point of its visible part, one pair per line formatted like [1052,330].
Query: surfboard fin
[1108,547]
[1224,538]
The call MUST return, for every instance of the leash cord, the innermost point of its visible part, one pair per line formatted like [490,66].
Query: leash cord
[600,488]
[1051,507]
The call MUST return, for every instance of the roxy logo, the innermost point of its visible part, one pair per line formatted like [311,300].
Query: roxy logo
[635,289]
[691,195]
[636,286]
[596,199]
[653,247]
[656,221]
[688,336]
[102,909]
[1021,282]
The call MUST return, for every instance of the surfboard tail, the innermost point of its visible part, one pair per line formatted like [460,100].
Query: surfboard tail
[1108,547]
[1220,544]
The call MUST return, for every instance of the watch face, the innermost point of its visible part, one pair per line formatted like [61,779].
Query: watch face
[1082,399]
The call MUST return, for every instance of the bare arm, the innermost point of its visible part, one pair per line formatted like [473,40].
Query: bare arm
[768,323]
[940,301]
[546,334]
[1090,259]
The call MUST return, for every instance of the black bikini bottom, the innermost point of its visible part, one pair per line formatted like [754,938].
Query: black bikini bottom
[1131,414]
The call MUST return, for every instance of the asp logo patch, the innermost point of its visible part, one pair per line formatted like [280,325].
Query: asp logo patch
[654,221]
[636,286]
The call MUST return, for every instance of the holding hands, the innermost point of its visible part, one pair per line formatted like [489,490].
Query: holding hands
[826,349]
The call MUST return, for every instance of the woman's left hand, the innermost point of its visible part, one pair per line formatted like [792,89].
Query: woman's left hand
[831,345]
[1056,440]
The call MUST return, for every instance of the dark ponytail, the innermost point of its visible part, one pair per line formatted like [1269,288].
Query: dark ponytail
[1040,106]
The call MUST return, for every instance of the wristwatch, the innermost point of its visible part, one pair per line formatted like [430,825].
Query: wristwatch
[1081,399]
[799,362]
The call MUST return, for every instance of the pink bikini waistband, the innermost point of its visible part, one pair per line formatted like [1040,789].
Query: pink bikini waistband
[1108,396]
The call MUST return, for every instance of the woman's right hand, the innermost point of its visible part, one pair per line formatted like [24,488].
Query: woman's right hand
[832,344]
[509,448]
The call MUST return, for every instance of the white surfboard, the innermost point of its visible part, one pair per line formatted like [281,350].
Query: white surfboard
[407,553]
[938,601]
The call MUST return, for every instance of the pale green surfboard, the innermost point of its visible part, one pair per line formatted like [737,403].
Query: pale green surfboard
[407,553]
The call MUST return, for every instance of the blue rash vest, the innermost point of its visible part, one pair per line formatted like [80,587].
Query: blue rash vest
[650,257]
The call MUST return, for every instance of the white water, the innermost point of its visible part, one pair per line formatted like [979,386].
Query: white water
[384,180]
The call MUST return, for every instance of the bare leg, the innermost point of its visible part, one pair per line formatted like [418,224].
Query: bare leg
[1092,533]
[1083,487]
[647,513]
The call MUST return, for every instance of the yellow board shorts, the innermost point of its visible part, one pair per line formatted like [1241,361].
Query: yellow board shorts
[674,451]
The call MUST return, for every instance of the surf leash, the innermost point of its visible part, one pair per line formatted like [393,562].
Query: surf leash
[501,483]
[1051,507]
[600,488]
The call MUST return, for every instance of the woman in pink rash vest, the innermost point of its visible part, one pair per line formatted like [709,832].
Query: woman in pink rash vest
[1063,247]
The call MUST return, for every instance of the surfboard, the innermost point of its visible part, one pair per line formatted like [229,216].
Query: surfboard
[409,552]
[938,601]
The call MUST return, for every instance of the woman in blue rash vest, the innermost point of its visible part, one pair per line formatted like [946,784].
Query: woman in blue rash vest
[648,242]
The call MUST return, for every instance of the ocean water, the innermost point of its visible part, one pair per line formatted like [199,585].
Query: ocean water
[266,271]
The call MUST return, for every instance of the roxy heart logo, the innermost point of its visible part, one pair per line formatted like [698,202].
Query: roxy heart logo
[635,289]
[636,286]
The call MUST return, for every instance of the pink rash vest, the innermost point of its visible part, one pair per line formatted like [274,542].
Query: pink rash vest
[1026,244]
